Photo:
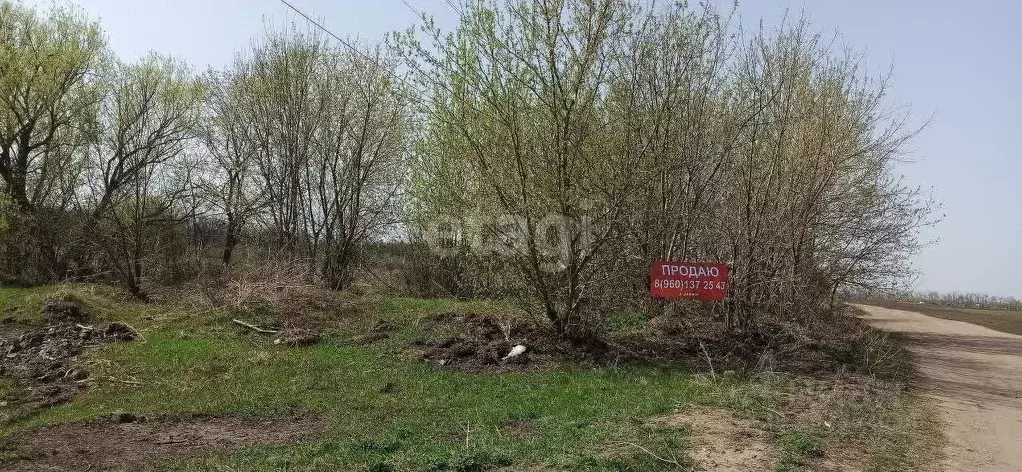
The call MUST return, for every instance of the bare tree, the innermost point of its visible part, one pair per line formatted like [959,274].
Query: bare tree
[228,134]
[147,118]
[573,140]
[810,205]
[288,108]
[360,152]
[328,128]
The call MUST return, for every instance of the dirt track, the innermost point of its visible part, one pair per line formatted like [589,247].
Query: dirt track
[976,375]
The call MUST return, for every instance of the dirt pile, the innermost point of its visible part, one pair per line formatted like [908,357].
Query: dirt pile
[479,342]
[832,343]
[483,342]
[118,331]
[64,310]
[43,359]
[476,341]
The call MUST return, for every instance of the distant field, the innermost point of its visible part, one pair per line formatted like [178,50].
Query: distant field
[1000,320]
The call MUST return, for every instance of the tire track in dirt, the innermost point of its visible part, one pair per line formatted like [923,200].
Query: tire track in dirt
[975,374]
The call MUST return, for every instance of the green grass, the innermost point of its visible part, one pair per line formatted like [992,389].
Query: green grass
[25,305]
[428,418]
[382,409]
[798,448]
[625,321]
[431,417]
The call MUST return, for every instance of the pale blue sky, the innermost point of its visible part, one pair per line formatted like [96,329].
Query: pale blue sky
[960,62]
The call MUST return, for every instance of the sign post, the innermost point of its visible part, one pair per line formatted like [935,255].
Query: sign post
[703,281]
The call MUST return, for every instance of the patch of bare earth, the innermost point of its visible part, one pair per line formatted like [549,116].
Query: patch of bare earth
[131,444]
[721,441]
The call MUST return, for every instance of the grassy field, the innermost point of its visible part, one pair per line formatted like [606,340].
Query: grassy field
[383,409]
[999,320]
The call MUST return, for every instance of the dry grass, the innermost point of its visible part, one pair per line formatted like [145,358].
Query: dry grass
[274,283]
[865,424]
[852,423]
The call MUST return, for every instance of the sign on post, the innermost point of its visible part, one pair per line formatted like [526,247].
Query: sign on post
[704,281]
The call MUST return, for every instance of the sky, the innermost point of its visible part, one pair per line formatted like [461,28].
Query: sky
[956,65]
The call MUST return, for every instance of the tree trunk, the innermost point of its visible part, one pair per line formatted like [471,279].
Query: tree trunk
[135,289]
[337,269]
[230,241]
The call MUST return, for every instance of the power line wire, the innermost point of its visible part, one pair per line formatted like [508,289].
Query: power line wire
[331,33]
[454,7]
[352,47]
[450,3]
[418,100]
[413,9]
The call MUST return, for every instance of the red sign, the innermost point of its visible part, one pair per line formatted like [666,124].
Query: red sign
[705,281]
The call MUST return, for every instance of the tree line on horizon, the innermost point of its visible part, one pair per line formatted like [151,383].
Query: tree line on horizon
[950,299]
[671,133]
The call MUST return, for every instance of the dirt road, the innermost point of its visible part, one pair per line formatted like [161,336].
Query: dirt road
[976,375]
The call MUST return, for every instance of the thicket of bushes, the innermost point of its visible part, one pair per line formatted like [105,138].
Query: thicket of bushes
[544,151]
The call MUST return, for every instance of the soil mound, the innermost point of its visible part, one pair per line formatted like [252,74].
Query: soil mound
[483,342]
[43,360]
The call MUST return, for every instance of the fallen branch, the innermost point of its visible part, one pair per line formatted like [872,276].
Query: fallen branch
[771,410]
[653,455]
[129,382]
[708,361]
[255,328]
